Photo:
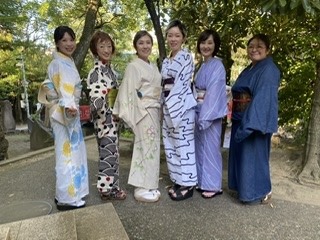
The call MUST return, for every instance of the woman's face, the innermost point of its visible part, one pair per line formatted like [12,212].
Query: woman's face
[257,50]
[66,45]
[144,47]
[207,47]
[104,51]
[175,39]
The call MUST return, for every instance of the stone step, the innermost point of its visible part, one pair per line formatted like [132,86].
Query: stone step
[99,222]
[96,222]
[55,226]
[5,233]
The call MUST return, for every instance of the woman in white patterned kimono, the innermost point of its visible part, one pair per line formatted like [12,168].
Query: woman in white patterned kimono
[70,150]
[102,81]
[179,114]
[138,104]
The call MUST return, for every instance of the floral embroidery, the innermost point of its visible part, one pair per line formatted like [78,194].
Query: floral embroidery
[66,149]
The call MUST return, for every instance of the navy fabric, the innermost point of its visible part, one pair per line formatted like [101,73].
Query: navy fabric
[248,166]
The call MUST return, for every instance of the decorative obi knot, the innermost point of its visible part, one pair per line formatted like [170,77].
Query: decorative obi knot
[240,101]
[167,85]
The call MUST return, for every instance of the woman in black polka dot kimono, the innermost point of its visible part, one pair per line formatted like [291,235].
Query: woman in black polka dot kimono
[102,81]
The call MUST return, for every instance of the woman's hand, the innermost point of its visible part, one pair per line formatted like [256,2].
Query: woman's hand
[71,112]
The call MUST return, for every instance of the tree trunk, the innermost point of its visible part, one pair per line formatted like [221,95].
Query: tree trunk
[157,27]
[311,168]
[88,29]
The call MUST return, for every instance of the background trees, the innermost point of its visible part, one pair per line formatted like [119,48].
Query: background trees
[26,30]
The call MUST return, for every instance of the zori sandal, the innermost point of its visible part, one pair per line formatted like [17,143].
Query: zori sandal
[266,199]
[114,194]
[173,188]
[211,194]
[182,193]
[146,195]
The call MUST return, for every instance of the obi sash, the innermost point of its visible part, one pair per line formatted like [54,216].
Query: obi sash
[240,101]
[167,85]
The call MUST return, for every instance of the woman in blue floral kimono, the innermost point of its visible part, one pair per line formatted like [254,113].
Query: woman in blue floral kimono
[70,150]
[254,119]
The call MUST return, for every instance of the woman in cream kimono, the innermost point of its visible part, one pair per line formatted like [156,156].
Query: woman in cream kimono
[70,150]
[138,104]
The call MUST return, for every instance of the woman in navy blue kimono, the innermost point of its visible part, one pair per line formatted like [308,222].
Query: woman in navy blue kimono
[254,119]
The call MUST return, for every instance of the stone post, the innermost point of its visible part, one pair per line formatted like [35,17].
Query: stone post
[4,144]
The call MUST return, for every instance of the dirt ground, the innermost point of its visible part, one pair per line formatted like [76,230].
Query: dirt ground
[284,160]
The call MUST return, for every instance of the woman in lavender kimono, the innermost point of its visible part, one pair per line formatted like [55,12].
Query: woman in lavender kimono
[178,114]
[102,81]
[210,82]
[254,119]
[70,150]
[138,104]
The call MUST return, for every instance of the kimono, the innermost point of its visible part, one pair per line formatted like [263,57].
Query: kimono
[70,150]
[102,81]
[254,119]
[210,82]
[138,104]
[178,118]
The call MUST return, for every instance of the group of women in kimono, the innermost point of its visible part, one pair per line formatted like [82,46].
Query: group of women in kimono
[191,119]
[192,129]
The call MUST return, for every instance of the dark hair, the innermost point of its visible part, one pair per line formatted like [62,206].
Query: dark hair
[262,37]
[60,31]
[139,35]
[180,25]
[205,35]
[100,36]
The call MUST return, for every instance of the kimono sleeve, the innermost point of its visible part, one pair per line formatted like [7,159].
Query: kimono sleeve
[262,113]
[127,104]
[63,84]
[181,98]
[215,101]
[97,92]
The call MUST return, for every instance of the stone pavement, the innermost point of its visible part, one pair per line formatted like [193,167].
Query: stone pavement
[32,178]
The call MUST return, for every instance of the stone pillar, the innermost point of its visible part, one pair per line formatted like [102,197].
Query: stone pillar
[8,122]
[4,144]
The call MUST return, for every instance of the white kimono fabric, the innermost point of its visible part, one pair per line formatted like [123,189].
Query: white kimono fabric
[70,150]
[138,104]
[179,119]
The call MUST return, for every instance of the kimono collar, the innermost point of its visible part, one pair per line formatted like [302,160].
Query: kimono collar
[182,51]
[60,56]
[142,61]
[261,62]
[100,64]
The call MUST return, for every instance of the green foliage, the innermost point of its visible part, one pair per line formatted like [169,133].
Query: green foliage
[9,15]
[126,133]
[285,6]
